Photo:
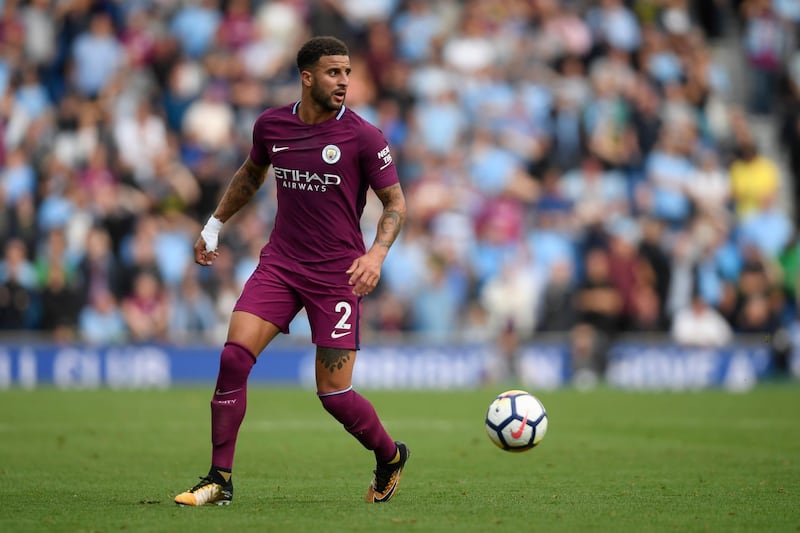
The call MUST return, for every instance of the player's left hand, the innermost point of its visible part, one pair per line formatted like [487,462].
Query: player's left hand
[365,272]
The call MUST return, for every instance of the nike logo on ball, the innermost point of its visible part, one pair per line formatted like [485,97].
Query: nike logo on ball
[338,334]
[279,148]
[518,433]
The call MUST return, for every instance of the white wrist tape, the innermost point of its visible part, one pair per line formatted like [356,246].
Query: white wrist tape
[210,233]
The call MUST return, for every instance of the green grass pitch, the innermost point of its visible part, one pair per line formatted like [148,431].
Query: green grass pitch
[611,461]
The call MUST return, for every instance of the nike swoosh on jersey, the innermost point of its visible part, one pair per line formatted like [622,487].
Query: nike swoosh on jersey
[279,148]
[338,334]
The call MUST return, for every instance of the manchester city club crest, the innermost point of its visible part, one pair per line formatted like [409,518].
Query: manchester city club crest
[331,154]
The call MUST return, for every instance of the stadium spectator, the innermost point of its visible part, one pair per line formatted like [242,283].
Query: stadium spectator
[622,237]
[613,24]
[402,278]
[39,32]
[646,118]
[664,192]
[137,251]
[558,301]
[700,325]
[439,122]
[192,314]
[416,28]
[655,259]
[146,308]
[754,311]
[768,228]
[61,303]
[709,190]
[184,81]
[19,222]
[570,94]
[599,306]
[144,136]
[54,254]
[712,264]
[564,33]
[195,24]
[18,284]
[31,98]
[173,253]
[237,27]
[754,179]
[138,37]
[97,56]
[789,132]
[438,300]
[16,264]
[765,40]
[208,121]
[647,310]
[99,270]
[101,322]
[596,194]
[18,178]
[513,302]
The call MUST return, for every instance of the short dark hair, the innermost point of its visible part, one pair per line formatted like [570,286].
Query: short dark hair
[313,49]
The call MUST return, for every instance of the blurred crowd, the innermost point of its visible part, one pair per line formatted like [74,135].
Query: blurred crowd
[570,166]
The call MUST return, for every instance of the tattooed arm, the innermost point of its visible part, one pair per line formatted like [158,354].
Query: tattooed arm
[393,217]
[243,186]
[365,272]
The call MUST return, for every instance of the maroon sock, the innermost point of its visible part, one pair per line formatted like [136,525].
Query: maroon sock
[360,419]
[229,402]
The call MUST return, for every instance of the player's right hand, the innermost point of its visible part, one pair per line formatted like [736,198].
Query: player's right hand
[201,255]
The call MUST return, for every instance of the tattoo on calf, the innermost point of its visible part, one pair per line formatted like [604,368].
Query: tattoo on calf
[333,358]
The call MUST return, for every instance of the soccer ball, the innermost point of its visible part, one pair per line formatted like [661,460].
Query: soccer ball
[516,421]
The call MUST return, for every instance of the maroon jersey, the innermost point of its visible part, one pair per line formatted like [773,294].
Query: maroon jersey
[323,172]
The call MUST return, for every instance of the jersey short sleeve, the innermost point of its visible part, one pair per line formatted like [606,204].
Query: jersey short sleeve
[376,158]
[259,153]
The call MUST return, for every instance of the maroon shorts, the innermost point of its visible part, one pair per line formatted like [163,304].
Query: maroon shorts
[276,294]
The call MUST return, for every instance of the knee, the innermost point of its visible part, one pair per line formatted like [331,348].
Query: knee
[332,385]
[334,369]
[236,358]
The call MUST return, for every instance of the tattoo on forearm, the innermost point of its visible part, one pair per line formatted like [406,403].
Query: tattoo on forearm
[332,358]
[244,185]
[389,228]
[393,217]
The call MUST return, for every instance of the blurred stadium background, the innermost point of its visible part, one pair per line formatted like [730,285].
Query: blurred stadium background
[597,190]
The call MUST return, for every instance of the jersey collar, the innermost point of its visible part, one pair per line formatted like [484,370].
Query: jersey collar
[297,105]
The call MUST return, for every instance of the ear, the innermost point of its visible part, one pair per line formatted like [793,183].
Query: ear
[306,77]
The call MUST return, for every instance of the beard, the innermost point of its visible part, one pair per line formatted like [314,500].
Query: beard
[324,100]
